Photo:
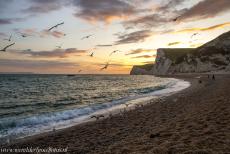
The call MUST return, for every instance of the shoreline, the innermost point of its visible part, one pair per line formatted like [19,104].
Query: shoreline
[135,130]
[112,108]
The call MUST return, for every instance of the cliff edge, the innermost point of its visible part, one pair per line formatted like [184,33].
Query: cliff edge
[213,56]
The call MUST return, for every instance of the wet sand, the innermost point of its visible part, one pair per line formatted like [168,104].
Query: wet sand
[193,121]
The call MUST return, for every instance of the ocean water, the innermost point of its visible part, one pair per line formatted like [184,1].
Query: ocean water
[32,104]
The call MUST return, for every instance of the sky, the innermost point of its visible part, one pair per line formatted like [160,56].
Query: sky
[133,29]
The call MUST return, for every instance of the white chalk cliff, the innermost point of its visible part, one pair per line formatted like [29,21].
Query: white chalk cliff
[213,56]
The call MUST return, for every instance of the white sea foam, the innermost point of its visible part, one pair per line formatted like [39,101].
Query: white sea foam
[58,120]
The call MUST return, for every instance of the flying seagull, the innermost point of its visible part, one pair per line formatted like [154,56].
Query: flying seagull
[175,19]
[114,52]
[28,50]
[91,55]
[79,71]
[4,49]
[23,34]
[105,67]
[86,37]
[55,26]
[59,46]
[9,39]
[194,35]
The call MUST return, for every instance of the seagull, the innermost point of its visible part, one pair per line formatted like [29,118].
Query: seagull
[86,37]
[105,67]
[91,55]
[9,39]
[97,116]
[79,71]
[194,35]
[114,52]
[23,34]
[175,19]
[59,47]
[4,49]
[28,50]
[55,26]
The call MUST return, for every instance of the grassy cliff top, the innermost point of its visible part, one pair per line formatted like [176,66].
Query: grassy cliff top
[175,53]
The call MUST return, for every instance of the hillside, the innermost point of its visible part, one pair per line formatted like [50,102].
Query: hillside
[213,56]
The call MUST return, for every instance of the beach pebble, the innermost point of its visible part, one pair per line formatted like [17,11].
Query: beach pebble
[154,135]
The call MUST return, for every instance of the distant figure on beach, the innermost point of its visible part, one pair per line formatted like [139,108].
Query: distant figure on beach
[213,77]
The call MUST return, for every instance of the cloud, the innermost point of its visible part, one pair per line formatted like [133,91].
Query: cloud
[55,33]
[6,21]
[205,9]
[148,62]
[137,51]
[4,4]
[34,64]
[153,20]
[43,33]
[2,34]
[145,56]
[173,43]
[134,37]
[44,6]
[170,5]
[104,45]
[158,17]
[103,10]
[219,26]
[57,53]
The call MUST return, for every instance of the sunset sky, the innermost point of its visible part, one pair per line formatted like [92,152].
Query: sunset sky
[134,27]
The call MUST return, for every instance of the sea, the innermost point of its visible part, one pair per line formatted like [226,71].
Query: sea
[35,103]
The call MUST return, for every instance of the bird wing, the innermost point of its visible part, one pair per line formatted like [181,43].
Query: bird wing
[111,53]
[52,28]
[60,24]
[8,46]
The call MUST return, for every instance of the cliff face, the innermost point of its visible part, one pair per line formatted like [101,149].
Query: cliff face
[142,70]
[212,56]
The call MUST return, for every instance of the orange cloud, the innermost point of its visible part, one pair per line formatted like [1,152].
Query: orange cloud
[137,51]
[219,26]
[174,43]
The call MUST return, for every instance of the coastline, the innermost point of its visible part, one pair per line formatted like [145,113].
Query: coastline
[158,127]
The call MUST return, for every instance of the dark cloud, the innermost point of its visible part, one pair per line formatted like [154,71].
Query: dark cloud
[134,37]
[153,20]
[206,9]
[57,53]
[45,6]
[34,64]
[160,16]
[5,21]
[137,51]
[170,6]
[103,10]
[145,56]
